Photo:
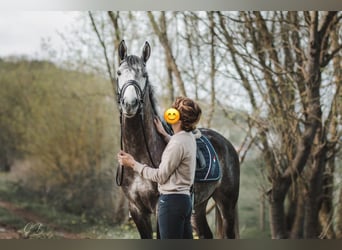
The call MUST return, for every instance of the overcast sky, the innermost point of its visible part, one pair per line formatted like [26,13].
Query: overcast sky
[21,32]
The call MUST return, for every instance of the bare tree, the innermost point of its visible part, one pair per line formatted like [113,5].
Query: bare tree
[331,145]
[270,52]
[160,30]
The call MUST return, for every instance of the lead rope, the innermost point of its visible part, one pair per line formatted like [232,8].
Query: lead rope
[120,169]
[147,147]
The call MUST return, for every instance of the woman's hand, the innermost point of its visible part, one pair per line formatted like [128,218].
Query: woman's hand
[160,129]
[126,159]
[159,126]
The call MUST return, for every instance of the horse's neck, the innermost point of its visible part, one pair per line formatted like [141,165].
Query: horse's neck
[139,136]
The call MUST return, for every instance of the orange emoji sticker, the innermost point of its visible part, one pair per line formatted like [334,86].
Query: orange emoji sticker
[171,116]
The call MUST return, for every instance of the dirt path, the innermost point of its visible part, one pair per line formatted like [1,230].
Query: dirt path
[37,227]
[8,233]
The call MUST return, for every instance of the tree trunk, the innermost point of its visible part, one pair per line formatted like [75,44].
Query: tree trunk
[297,225]
[277,216]
[339,216]
[326,212]
[213,70]
[291,201]
[262,212]
[170,86]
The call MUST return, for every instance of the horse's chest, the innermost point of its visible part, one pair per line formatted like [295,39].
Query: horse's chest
[140,187]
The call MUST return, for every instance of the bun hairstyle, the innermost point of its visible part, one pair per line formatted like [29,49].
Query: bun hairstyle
[190,112]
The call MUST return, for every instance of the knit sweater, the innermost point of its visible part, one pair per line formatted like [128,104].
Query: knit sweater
[176,171]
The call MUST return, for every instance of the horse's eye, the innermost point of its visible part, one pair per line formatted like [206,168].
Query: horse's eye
[118,72]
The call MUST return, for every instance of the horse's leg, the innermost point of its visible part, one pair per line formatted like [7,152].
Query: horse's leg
[143,222]
[200,223]
[158,231]
[227,213]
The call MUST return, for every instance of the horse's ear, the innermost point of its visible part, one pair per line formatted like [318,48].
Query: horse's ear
[122,50]
[146,52]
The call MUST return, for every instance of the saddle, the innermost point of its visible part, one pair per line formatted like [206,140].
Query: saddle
[208,165]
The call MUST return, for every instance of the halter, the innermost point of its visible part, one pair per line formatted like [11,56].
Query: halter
[140,94]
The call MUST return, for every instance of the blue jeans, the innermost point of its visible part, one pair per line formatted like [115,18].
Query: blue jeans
[174,216]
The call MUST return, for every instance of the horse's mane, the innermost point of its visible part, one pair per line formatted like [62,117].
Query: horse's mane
[153,100]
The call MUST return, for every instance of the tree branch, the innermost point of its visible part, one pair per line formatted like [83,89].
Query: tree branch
[109,69]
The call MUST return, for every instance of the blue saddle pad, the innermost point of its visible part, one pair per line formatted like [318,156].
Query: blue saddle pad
[208,165]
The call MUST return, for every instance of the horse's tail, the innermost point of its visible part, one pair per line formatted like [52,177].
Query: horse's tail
[219,223]
[236,224]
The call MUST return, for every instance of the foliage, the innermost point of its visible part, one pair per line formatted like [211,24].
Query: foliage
[61,124]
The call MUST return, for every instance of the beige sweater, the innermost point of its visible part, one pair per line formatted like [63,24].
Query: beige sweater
[176,171]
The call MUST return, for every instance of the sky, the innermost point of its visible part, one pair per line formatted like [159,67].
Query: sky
[21,32]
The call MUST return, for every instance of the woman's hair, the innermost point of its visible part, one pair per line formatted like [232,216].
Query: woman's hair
[190,112]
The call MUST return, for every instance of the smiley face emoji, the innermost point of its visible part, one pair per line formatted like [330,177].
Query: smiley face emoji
[171,116]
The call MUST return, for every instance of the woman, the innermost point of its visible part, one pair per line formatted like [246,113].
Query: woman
[176,171]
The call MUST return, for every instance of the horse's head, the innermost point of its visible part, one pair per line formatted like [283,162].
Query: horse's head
[132,80]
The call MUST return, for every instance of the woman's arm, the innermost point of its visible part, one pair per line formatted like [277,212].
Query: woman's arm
[170,161]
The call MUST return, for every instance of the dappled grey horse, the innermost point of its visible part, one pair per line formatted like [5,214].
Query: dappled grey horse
[139,137]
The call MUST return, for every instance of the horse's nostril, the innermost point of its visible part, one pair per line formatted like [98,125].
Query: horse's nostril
[131,104]
[123,102]
[127,105]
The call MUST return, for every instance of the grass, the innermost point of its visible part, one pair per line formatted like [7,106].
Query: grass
[75,224]
[7,218]
[249,202]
